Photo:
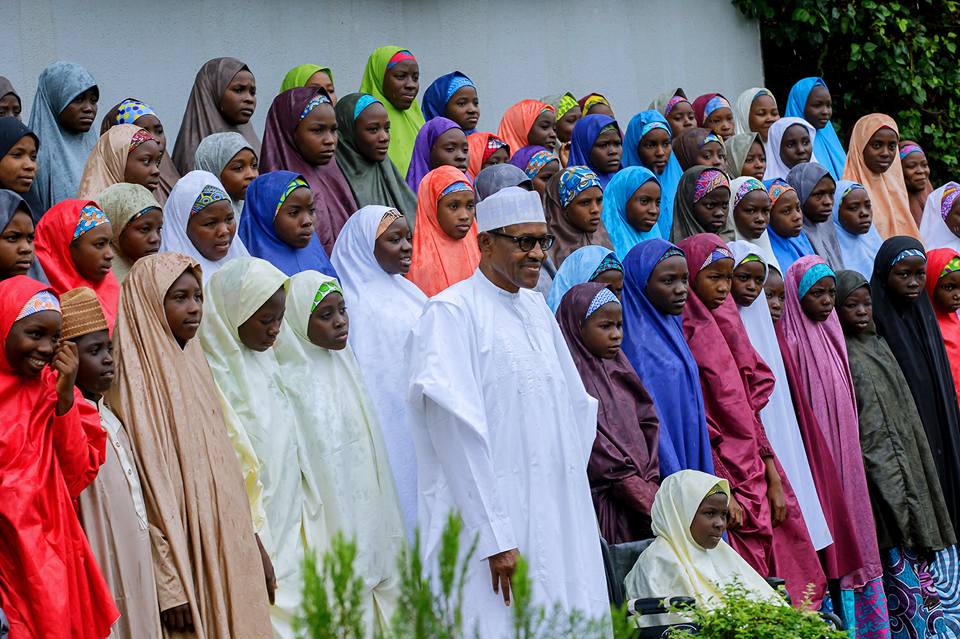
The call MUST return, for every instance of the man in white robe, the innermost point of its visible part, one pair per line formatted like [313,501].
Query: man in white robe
[504,428]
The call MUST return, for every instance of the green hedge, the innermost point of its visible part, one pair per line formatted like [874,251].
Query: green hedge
[898,58]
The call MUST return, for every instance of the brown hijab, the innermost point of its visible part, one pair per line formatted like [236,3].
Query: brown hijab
[203,116]
[205,553]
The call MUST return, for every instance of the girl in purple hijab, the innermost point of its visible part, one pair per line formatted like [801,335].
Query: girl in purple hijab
[598,145]
[301,137]
[440,141]
[623,468]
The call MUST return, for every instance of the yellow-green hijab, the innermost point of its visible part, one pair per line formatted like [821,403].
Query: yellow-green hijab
[404,125]
[298,76]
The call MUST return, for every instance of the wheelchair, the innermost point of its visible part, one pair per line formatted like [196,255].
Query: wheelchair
[618,561]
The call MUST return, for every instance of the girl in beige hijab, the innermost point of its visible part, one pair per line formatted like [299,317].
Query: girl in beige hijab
[210,576]
[136,218]
[125,153]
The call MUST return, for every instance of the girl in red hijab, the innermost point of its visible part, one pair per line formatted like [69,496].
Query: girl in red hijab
[943,287]
[51,446]
[445,249]
[73,245]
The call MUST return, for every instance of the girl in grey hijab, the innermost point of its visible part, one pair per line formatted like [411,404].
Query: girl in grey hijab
[61,157]
[213,155]
[816,202]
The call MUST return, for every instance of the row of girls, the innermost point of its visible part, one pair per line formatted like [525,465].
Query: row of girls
[834,485]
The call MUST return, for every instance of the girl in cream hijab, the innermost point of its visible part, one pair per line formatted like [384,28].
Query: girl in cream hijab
[689,557]
[349,485]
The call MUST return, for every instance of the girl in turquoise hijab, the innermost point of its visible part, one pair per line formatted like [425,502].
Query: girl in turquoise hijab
[586,264]
[641,125]
[406,118]
[620,190]
[826,145]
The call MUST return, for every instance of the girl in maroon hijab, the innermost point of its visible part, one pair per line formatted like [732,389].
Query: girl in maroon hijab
[301,136]
[768,531]
[623,468]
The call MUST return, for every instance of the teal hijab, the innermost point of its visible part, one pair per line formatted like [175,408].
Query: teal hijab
[619,191]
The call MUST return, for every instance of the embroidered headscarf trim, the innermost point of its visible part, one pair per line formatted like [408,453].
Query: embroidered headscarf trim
[564,104]
[673,251]
[363,102]
[908,149]
[751,184]
[716,102]
[296,183]
[652,126]
[537,161]
[454,188]
[911,252]
[603,297]
[777,188]
[330,286]
[139,137]
[950,267]
[750,257]
[388,218]
[456,84]
[129,111]
[90,217]
[672,102]
[573,181]
[314,102]
[717,254]
[711,137]
[400,56]
[208,195]
[592,101]
[709,180]
[950,195]
[610,263]
[815,273]
[41,301]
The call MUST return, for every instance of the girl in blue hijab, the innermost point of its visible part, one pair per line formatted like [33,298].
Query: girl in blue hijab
[826,145]
[858,248]
[786,249]
[654,294]
[602,132]
[586,264]
[277,224]
[616,199]
[644,125]
[453,96]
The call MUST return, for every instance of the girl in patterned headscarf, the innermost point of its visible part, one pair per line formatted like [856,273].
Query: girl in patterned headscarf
[702,203]
[573,210]
[916,177]
[133,111]
[568,113]
[80,225]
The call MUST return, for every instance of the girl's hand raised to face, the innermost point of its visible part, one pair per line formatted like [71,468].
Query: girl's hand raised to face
[66,361]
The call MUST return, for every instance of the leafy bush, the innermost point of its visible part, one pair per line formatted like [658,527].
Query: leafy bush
[741,617]
[333,595]
[897,57]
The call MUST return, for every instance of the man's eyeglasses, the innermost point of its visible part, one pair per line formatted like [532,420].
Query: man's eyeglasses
[527,242]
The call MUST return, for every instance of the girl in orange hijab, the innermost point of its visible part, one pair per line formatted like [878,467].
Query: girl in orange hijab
[529,122]
[486,149]
[943,287]
[74,247]
[873,160]
[445,247]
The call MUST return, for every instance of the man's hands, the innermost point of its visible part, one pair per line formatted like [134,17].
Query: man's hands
[502,566]
[178,619]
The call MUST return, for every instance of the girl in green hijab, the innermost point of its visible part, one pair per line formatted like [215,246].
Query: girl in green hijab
[392,76]
[310,75]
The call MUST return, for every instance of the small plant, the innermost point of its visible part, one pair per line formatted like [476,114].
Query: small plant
[332,597]
[742,616]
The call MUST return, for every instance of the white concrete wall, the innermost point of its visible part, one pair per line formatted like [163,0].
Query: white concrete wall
[629,50]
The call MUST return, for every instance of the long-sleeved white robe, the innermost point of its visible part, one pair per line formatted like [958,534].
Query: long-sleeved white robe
[504,429]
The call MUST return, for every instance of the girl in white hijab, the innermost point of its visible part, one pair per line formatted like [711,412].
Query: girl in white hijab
[689,558]
[259,417]
[200,198]
[933,225]
[349,486]
[776,167]
[778,416]
[384,307]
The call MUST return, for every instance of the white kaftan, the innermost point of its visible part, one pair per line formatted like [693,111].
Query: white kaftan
[504,429]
